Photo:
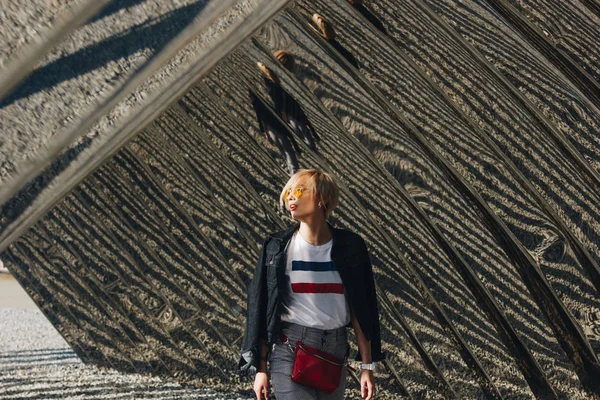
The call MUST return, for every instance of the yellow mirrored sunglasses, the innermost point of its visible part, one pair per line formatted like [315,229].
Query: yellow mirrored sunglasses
[298,191]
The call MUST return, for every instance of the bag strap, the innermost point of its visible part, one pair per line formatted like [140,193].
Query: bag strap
[286,341]
[343,364]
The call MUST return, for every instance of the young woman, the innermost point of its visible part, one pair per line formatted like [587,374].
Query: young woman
[312,281]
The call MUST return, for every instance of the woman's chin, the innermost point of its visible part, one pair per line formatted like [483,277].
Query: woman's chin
[295,216]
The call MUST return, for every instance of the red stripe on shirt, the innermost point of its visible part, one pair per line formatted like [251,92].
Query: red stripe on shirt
[318,288]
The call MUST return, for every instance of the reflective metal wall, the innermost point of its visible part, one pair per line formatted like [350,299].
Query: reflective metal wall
[464,137]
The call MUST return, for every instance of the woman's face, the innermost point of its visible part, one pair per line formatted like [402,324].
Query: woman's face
[301,201]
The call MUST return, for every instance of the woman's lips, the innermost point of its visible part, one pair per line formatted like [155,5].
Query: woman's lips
[293,207]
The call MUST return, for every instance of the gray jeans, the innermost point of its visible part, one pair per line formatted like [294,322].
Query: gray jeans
[281,360]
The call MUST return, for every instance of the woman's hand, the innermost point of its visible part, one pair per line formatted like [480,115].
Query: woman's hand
[367,384]
[261,386]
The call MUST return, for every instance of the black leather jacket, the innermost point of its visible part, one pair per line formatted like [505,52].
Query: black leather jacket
[349,254]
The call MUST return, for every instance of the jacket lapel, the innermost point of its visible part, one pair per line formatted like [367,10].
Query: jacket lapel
[339,249]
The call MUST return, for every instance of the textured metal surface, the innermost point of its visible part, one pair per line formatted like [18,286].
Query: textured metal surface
[467,157]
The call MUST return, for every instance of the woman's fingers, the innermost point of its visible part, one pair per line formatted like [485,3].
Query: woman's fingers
[364,389]
[370,388]
[266,391]
[367,386]
[261,386]
[257,393]
[262,392]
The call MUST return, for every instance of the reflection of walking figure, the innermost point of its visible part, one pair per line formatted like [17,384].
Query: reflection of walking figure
[326,31]
[358,5]
[287,107]
[276,133]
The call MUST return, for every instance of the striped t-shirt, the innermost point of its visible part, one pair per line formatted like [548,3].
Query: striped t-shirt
[315,295]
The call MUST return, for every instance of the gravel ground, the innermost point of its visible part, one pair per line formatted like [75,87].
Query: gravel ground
[37,363]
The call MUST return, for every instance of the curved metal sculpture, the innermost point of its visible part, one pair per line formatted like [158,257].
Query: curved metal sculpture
[466,145]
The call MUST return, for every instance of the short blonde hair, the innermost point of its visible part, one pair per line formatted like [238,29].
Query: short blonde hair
[317,182]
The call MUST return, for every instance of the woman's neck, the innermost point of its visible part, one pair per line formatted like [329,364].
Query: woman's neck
[315,233]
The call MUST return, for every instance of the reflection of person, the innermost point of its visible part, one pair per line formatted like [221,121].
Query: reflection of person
[287,107]
[359,6]
[311,282]
[326,31]
[276,133]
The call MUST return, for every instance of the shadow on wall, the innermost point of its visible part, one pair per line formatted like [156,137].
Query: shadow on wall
[153,35]
[114,7]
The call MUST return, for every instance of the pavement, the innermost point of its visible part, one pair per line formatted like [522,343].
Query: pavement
[12,294]
[37,363]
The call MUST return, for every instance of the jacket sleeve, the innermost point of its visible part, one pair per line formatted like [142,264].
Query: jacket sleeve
[369,280]
[256,325]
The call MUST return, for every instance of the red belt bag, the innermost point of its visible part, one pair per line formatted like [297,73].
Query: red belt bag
[315,368]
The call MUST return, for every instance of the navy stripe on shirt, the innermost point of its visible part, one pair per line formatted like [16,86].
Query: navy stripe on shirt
[317,266]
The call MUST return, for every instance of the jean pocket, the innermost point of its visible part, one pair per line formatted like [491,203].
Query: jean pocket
[285,347]
[281,358]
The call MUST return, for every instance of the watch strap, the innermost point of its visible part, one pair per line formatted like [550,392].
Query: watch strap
[370,367]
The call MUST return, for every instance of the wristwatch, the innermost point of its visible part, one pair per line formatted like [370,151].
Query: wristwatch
[370,367]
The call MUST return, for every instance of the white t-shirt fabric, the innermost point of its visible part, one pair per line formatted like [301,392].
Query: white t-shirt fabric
[315,294]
